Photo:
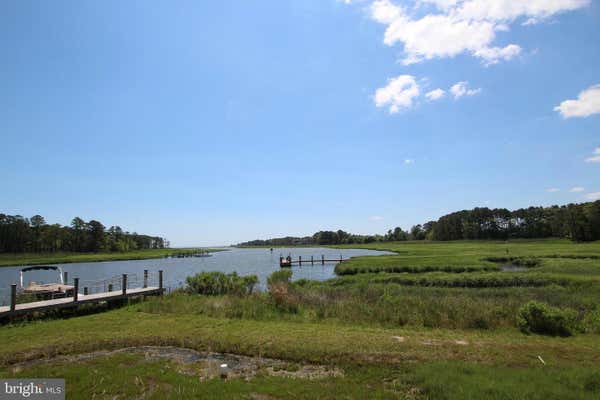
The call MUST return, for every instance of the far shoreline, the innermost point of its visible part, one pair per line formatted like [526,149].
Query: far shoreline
[25,259]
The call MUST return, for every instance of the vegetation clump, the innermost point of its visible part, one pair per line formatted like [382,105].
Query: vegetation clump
[281,291]
[528,262]
[218,283]
[537,317]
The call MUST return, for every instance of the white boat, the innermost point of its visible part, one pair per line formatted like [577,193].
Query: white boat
[45,290]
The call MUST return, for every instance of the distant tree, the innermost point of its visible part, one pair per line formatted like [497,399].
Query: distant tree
[78,234]
[417,232]
[37,223]
[96,236]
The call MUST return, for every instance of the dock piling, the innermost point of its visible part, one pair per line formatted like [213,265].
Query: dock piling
[13,297]
[75,289]
[312,260]
[145,278]
[300,260]
[322,259]
[89,295]
[66,278]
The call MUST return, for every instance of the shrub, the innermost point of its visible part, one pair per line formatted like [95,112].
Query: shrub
[278,284]
[280,276]
[537,317]
[219,283]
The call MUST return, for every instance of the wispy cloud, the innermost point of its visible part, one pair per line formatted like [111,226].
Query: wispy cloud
[593,196]
[577,189]
[586,104]
[595,158]
[552,190]
[461,89]
[376,218]
[435,94]
[409,161]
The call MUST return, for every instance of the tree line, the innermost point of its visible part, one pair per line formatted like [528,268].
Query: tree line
[19,235]
[578,222]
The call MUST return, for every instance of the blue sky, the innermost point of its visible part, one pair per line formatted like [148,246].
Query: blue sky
[216,122]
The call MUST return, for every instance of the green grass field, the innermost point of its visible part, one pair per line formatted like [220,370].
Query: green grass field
[424,333]
[11,259]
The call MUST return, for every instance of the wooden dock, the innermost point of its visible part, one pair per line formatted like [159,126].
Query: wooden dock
[78,299]
[288,261]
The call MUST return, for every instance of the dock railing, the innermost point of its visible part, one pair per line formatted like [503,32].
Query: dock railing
[88,291]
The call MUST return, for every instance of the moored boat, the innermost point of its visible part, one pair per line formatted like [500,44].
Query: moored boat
[42,290]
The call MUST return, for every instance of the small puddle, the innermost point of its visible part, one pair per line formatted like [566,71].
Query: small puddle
[206,365]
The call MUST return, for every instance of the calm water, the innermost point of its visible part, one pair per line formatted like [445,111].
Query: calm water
[260,262]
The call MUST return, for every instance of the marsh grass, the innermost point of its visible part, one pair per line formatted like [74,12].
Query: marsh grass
[451,380]
[20,259]
[389,305]
[128,376]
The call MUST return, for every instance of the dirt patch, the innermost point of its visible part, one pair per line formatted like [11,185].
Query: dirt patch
[399,339]
[205,365]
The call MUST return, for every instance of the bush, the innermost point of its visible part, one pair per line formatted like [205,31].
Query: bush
[219,283]
[278,284]
[282,276]
[537,317]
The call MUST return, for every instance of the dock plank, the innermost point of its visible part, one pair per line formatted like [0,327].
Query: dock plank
[24,308]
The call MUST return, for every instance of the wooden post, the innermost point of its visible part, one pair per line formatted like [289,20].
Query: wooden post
[110,287]
[322,259]
[66,278]
[85,291]
[300,260]
[13,297]
[145,278]
[124,284]
[312,260]
[340,258]
[75,289]
[160,281]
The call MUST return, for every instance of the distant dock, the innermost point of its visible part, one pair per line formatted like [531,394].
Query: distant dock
[287,262]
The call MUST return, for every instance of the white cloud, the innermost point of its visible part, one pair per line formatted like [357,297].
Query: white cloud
[587,103]
[462,26]
[509,10]
[409,161]
[577,189]
[553,190]
[442,4]
[596,157]
[461,89]
[385,12]
[493,55]
[399,93]
[435,94]
[438,36]
[593,196]
[376,218]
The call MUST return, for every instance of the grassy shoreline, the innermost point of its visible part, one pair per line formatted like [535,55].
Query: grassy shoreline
[16,260]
